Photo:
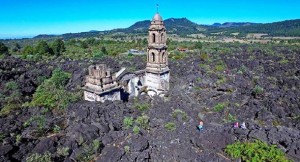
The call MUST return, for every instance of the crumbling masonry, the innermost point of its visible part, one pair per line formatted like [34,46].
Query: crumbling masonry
[101,85]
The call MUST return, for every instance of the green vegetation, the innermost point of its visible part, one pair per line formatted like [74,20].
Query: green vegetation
[89,152]
[198,45]
[46,157]
[283,28]
[136,129]
[8,108]
[128,122]
[1,137]
[220,66]
[56,129]
[219,107]
[127,149]
[51,93]
[142,106]
[38,120]
[3,49]
[43,48]
[13,101]
[243,69]
[257,90]
[229,118]
[170,126]
[18,139]
[255,151]
[28,50]
[63,151]
[12,85]
[204,56]
[177,55]
[221,79]
[177,112]
[143,121]
[58,47]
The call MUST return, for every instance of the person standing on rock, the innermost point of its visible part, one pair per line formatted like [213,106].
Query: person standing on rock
[200,126]
[243,125]
[236,125]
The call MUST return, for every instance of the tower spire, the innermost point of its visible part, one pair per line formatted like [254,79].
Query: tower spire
[157,8]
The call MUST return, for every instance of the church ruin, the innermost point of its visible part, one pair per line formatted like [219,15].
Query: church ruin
[101,85]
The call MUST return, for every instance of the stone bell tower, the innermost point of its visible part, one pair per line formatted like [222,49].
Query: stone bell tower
[157,70]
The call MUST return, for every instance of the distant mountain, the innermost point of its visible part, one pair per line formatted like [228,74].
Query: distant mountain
[282,28]
[180,26]
[216,24]
[232,24]
[183,27]
[45,36]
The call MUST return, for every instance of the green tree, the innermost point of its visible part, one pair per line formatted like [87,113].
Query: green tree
[198,45]
[58,47]
[17,47]
[103,50]
[91,41]
[145,41]
[3,49]
[43,48]
[52,94]
[84,45]
[28,50]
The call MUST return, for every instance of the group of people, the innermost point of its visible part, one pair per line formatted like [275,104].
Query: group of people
[236,125]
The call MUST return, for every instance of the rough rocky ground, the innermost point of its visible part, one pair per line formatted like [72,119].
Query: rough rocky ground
[196,88]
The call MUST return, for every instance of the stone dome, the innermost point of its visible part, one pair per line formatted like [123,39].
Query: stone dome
[157,17]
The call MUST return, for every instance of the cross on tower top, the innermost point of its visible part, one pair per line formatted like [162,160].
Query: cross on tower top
[157,8]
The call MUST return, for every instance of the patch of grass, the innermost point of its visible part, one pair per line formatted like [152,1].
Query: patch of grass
[219,107]
[177,55]
[177,112]
[136,129]
[63,151]
[89,152]
[96,145]
[18,139]
[203,56]
[12,85]
[276,123]
[170,126]
[230,118]
[142,106]
[12,102]
[128,122]
[284,61]
[143,121]
[51,93]
[197,88]
[221,79]
[237,104]
[8,108]
[221,66]
[257,90]
[56,129]
[46,157]
[2,136]
[204,66]
[242,69]
[39,121]
[255,151]
[127,149]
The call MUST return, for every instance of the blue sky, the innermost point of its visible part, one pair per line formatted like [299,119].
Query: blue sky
[19,18]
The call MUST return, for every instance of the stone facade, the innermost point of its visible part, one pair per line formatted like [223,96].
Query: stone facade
[101,85]
[157,72]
